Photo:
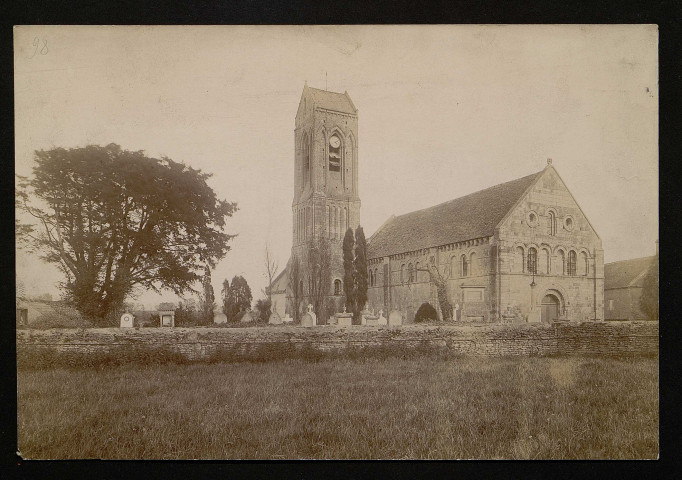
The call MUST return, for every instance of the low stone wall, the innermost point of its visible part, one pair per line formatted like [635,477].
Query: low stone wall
[92,346]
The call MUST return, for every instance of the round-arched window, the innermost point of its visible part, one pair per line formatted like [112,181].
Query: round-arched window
[568,223]
[337,287]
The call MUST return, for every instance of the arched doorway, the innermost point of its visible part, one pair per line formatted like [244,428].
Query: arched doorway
[550,308]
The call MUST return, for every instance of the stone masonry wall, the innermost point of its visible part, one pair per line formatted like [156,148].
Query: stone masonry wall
[238,344]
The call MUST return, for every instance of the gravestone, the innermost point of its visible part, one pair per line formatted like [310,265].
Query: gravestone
[287,319]
[309,319]
[275,319]
[456,313]
[370,319]
[127,320]
[382,320]
[395,318]
[219,317]
[247,317]
[344,319]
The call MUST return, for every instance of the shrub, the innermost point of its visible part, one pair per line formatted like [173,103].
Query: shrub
[426,313]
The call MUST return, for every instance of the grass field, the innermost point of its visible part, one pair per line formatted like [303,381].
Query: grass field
[469,408]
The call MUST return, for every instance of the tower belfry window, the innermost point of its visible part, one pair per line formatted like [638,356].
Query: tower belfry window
[334,154]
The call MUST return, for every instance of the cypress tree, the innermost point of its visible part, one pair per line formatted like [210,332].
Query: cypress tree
[349,270]
[360,273]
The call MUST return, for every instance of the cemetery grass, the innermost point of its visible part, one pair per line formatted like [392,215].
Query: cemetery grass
[466,408]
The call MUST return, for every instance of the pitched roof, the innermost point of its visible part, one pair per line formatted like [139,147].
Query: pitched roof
[472,216]
[626,273]
[338,102]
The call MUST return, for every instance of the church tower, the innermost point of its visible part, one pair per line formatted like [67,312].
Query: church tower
[326,200]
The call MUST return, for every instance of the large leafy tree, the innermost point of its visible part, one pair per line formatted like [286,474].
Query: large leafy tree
[238,297]
[113,219]
[349,269]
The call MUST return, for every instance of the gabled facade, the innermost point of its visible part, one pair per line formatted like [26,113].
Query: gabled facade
[522,251]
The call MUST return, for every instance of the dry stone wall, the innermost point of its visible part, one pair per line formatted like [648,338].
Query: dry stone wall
[90,346]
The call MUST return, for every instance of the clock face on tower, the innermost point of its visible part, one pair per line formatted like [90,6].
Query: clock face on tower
[334,142]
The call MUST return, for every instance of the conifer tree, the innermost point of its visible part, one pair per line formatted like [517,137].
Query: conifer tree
[360,271]
[349,270]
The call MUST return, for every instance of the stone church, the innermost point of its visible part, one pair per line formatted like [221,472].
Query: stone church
[521,251]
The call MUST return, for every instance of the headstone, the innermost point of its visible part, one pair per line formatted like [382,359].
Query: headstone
[363,316]
[457,312]
[275,319]
[127,320]
[219,317]
[344,319]
[247,317]
[395,318]
[309,319]
[382,320]
[287,319]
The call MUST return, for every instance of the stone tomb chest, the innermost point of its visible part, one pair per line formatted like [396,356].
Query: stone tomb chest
[395,318]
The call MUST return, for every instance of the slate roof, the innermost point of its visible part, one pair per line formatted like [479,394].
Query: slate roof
[167,306]
[472,216]
[338,102]
[626,273]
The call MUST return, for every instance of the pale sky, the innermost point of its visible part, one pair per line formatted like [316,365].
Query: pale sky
[443,111]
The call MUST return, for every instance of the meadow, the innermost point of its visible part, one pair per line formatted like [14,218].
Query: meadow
[390,408]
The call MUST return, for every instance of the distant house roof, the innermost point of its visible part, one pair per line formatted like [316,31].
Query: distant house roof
[339,102]
[472,216]
[626,273]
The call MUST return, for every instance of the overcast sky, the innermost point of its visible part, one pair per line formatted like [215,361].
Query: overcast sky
[443,111]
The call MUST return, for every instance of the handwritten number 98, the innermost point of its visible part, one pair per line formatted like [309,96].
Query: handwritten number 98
[38,48]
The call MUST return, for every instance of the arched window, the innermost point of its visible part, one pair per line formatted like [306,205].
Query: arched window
[402,274]
[473,267]
[551,223]
[453,266]
[562,261]
[585,263]
[371,277]
[334,230]
[545,263]
[329,223]
[300,287]
[410,274]
[464,266]
[519,259]
[306,160]
[335,151]
[376,272]
[416,272]
[532,260]
[337,287]
[571,262]
[343,222]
